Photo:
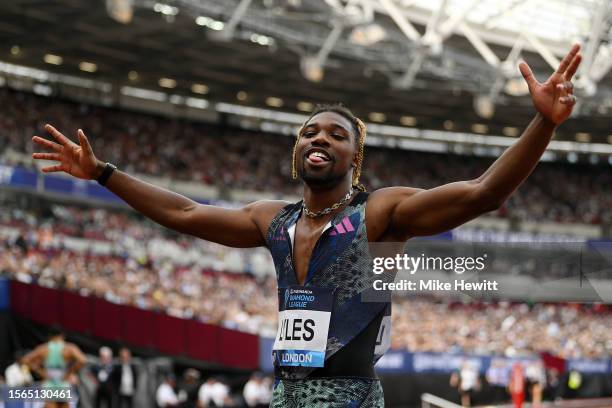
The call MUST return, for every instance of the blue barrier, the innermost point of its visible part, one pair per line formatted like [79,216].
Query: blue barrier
[404,362]
[5,299]
[265,354]
[22,178]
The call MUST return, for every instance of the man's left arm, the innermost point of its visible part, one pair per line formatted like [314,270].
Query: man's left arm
[415,212]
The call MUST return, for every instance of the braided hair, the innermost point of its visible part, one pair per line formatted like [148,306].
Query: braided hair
[360,131]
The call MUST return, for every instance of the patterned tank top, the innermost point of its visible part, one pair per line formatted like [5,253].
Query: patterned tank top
[340,261]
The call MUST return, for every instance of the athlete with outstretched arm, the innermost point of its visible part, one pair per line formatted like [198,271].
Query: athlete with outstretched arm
[326,347]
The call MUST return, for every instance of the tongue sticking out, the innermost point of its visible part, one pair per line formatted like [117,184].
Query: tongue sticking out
[316,159]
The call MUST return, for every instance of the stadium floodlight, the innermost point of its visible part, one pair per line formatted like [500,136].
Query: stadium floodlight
[305,106]
[510,131]
[311,68]
[167,83]
[88,66]
[408,120]
[484,106]
[53,59]
[274,102]
[378,117]
[367,35]
[199,89]
[480,128]
[121,11]
[516,87]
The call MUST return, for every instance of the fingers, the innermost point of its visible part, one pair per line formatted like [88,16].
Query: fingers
[47,143]
[573,67]
[84,142]
[565,63]
[46,156]
[57,135]
[565,87]
[51,169]
[568,100]
[527,74]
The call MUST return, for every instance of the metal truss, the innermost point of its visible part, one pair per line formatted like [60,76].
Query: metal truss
[319,34]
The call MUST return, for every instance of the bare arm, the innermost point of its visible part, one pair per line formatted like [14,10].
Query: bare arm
[34,360]
[78,358]
[414,212]
[244,227]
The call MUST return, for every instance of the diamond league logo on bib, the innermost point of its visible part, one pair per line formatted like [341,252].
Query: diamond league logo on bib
[304,316]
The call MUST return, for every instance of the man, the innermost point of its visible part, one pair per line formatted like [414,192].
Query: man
[320,245]
[256,391]
[214,393]
[126,379]
[103,375]
[535,377]
[466,381]
[189,387]
[18,373]
[56,362]
[165,396]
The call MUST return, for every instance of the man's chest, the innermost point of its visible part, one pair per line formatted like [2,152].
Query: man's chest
[304,244]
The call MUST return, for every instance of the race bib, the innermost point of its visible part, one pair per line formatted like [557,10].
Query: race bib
[303,326]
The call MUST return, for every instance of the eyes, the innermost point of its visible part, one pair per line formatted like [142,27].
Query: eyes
[312,133]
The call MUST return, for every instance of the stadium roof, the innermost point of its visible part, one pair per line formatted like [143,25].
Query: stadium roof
[435,64]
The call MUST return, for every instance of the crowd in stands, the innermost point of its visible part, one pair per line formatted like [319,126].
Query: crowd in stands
[91,251]
[240,159]
[144,265]
[565,330]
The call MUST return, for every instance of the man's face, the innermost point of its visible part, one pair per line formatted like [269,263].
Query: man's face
[326,149]
[125,355]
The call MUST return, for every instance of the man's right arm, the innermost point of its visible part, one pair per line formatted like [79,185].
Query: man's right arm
[242,227]
[236,227]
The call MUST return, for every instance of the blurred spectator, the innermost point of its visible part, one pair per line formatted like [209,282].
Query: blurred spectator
[535,378]
[104,376]
[18,374]
[498,377]
[126,379]
[257,391]
[516,386]
[165,396]
[214,393]
[467,382]
[189,388]
[574,384]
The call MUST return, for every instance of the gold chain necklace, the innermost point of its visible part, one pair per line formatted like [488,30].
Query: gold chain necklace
[328,209]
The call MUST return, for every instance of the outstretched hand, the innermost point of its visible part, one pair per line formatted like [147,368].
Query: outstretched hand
[554,98]
[78,160]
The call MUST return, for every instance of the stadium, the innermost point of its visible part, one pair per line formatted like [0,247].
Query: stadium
[175,227]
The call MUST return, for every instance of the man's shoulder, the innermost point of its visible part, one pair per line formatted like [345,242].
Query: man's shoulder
[380,206]
[268,206]
[386,193]
[263,211]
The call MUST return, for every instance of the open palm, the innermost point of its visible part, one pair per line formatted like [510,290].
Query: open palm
[77,160]
[554,98]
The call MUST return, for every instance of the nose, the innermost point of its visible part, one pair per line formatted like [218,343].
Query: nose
[320,139]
